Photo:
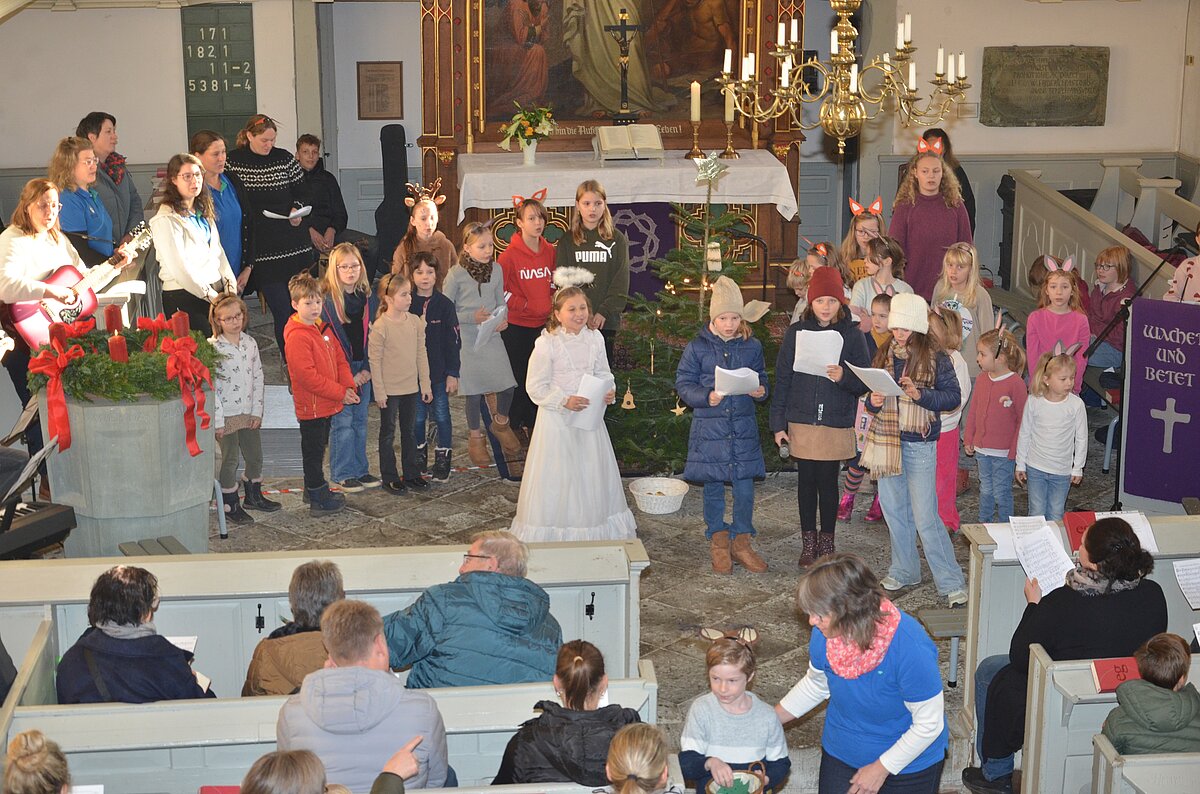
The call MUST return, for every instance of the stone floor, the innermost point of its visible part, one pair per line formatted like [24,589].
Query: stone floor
[680,594]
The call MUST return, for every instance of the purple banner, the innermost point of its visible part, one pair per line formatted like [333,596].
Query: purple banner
[651,234]
[1162,404]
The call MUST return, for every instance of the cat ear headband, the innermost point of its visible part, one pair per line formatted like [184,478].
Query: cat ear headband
[419,193]
[876,207]
[539,195]
[938,146]
[747,635]
[1067,265]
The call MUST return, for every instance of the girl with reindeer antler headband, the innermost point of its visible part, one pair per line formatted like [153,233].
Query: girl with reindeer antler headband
[1059,318]
[928,216]
[528,265]
[423,233]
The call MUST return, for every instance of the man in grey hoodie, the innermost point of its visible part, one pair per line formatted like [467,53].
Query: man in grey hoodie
[355,714]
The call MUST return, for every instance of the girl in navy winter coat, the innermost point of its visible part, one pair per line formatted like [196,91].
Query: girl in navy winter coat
[723,445]
[814,414]
[901,449]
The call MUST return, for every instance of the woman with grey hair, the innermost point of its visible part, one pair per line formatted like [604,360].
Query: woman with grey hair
[295,649]
[885,728]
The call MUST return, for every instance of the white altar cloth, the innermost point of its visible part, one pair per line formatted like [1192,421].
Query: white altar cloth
[488,181]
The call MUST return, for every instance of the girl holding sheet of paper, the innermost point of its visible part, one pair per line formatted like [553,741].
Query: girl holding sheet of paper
[901,449]
[814,404]
[724,446]
[572,487]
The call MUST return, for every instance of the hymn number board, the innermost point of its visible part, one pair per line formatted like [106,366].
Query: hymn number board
[220,78]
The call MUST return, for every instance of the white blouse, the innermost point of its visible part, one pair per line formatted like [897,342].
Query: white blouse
[558,363]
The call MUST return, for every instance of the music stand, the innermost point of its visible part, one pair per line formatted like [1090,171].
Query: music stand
[24,480]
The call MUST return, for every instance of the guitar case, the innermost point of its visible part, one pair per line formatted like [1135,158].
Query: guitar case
[391,216]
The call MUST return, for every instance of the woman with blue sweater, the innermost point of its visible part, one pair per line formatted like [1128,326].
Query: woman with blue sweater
[901,449]
[813,415]
[723,446]
[885,728]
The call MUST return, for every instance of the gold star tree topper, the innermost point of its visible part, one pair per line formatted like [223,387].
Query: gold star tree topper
[710,169]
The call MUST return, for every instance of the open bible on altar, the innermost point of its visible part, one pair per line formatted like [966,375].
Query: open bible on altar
[628,142]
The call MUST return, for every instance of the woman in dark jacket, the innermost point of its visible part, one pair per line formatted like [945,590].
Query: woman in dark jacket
[814,414]
[568,743]
[120,657]
[1107,608]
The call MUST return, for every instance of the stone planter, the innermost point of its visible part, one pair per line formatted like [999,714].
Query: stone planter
[129,476]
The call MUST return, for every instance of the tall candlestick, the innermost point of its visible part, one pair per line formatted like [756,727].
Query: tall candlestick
[781,38]
[907,28]
[899,35]
[695,101]
[962,66]
[795,30]
[833,42]
[118,351]
[728,106]
[854,78]
[941,62]
[728,61]
[912,76]
[112,318]
[785,74]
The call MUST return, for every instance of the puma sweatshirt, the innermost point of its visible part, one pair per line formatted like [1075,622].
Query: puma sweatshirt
[609,261]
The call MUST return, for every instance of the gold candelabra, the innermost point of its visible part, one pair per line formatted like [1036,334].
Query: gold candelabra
[848,96]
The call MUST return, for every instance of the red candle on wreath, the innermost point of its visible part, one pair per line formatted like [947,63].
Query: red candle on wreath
[58,333]
[180,326]
[112,318]
[118,351]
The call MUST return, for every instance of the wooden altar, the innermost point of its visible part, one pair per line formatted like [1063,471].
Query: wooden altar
[481,56]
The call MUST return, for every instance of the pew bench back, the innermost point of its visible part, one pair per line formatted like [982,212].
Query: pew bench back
[1165,773]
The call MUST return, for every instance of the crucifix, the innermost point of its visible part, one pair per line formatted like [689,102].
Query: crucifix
[621,34]
[1170,417]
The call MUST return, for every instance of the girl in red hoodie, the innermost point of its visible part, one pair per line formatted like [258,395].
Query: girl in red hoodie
[528,265]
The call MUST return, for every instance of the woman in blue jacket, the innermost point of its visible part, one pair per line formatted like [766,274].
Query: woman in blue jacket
[814,414]
[723,445]
[901,449]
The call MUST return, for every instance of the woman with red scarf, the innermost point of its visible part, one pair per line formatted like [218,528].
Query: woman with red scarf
[885,728]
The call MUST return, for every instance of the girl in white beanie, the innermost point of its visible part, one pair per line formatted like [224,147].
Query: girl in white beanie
[901,449]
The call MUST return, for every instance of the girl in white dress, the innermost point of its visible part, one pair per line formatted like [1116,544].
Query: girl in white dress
[572,488]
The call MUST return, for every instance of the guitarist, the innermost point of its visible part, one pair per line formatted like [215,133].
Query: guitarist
[32,248]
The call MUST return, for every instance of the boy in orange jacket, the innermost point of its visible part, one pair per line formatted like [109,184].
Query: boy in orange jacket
[321,385]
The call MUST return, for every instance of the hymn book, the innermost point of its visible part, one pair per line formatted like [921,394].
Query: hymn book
[628,142]
[1108,674]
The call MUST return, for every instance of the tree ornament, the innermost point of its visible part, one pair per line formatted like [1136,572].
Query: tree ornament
[678,410]
[627,401]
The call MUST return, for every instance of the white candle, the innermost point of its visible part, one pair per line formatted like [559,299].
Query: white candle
[907,28]
[941,67]
[854,78]
[728,61]
[950,75]
[695,101]
[795,29]
[728,106]
[833,42]
[899,35]
[912,76]
[886,58]
[780,38]
[751,58]
[746,67]
[962,66]
[785,75]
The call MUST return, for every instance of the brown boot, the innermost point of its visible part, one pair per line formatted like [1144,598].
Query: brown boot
[502,430]
[808,552]
[745,554]
[824,543]
[718,547]
[477,450]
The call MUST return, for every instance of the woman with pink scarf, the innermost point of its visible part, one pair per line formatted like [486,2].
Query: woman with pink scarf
[885,728]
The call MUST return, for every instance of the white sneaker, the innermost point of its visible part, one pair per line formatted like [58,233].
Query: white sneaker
[958,598]
[891,584]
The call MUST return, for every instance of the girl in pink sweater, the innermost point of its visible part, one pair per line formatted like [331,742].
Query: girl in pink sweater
[1059,317]
[994,420]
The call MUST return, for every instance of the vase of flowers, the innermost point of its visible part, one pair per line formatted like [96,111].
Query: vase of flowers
[528,126]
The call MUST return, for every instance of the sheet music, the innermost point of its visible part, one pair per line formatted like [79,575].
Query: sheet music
[816,350]
[487,328]
[1002,534]
[1141,527]
[1043,557]
[298,212]
[594,389]
[879,380]
[1024,525]
[742,380]
[1187,573]
[183,643]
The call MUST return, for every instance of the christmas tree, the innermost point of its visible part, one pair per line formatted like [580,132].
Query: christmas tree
[651,434]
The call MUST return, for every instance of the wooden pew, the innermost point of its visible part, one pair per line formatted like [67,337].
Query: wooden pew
[231,601]
[177,746]
[1166,773]
[997,600]
[34,683]
[1063,713]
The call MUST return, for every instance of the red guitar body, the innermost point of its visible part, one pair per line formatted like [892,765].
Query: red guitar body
[32,318]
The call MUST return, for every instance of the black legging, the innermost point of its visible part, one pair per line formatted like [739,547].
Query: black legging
[817,485]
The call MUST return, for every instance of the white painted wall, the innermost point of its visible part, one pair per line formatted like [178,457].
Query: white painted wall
[61,65]
[374,32]
[1189,122]
[1145,79]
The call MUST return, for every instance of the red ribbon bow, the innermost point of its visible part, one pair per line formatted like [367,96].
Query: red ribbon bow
[192,374]
[51,361]
[81,327]
[155,326]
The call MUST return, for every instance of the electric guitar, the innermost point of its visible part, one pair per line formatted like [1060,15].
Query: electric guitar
[32,319]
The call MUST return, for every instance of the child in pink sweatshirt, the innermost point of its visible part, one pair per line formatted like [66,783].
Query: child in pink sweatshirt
[1060,317]
[994,420]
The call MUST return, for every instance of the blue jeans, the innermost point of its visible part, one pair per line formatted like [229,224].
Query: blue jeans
[348,434]
[835,778]
[993,768]
[1047,493]
[909,502]
[743,508]
[441,415]
[995,487]
[1105,356]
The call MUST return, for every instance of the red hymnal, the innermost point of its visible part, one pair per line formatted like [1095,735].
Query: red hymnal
[1108,674]
[1077,524]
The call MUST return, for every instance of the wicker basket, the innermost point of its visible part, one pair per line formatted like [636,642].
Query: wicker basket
[658,495]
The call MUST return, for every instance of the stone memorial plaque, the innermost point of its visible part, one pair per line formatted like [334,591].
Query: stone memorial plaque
[1044,86]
